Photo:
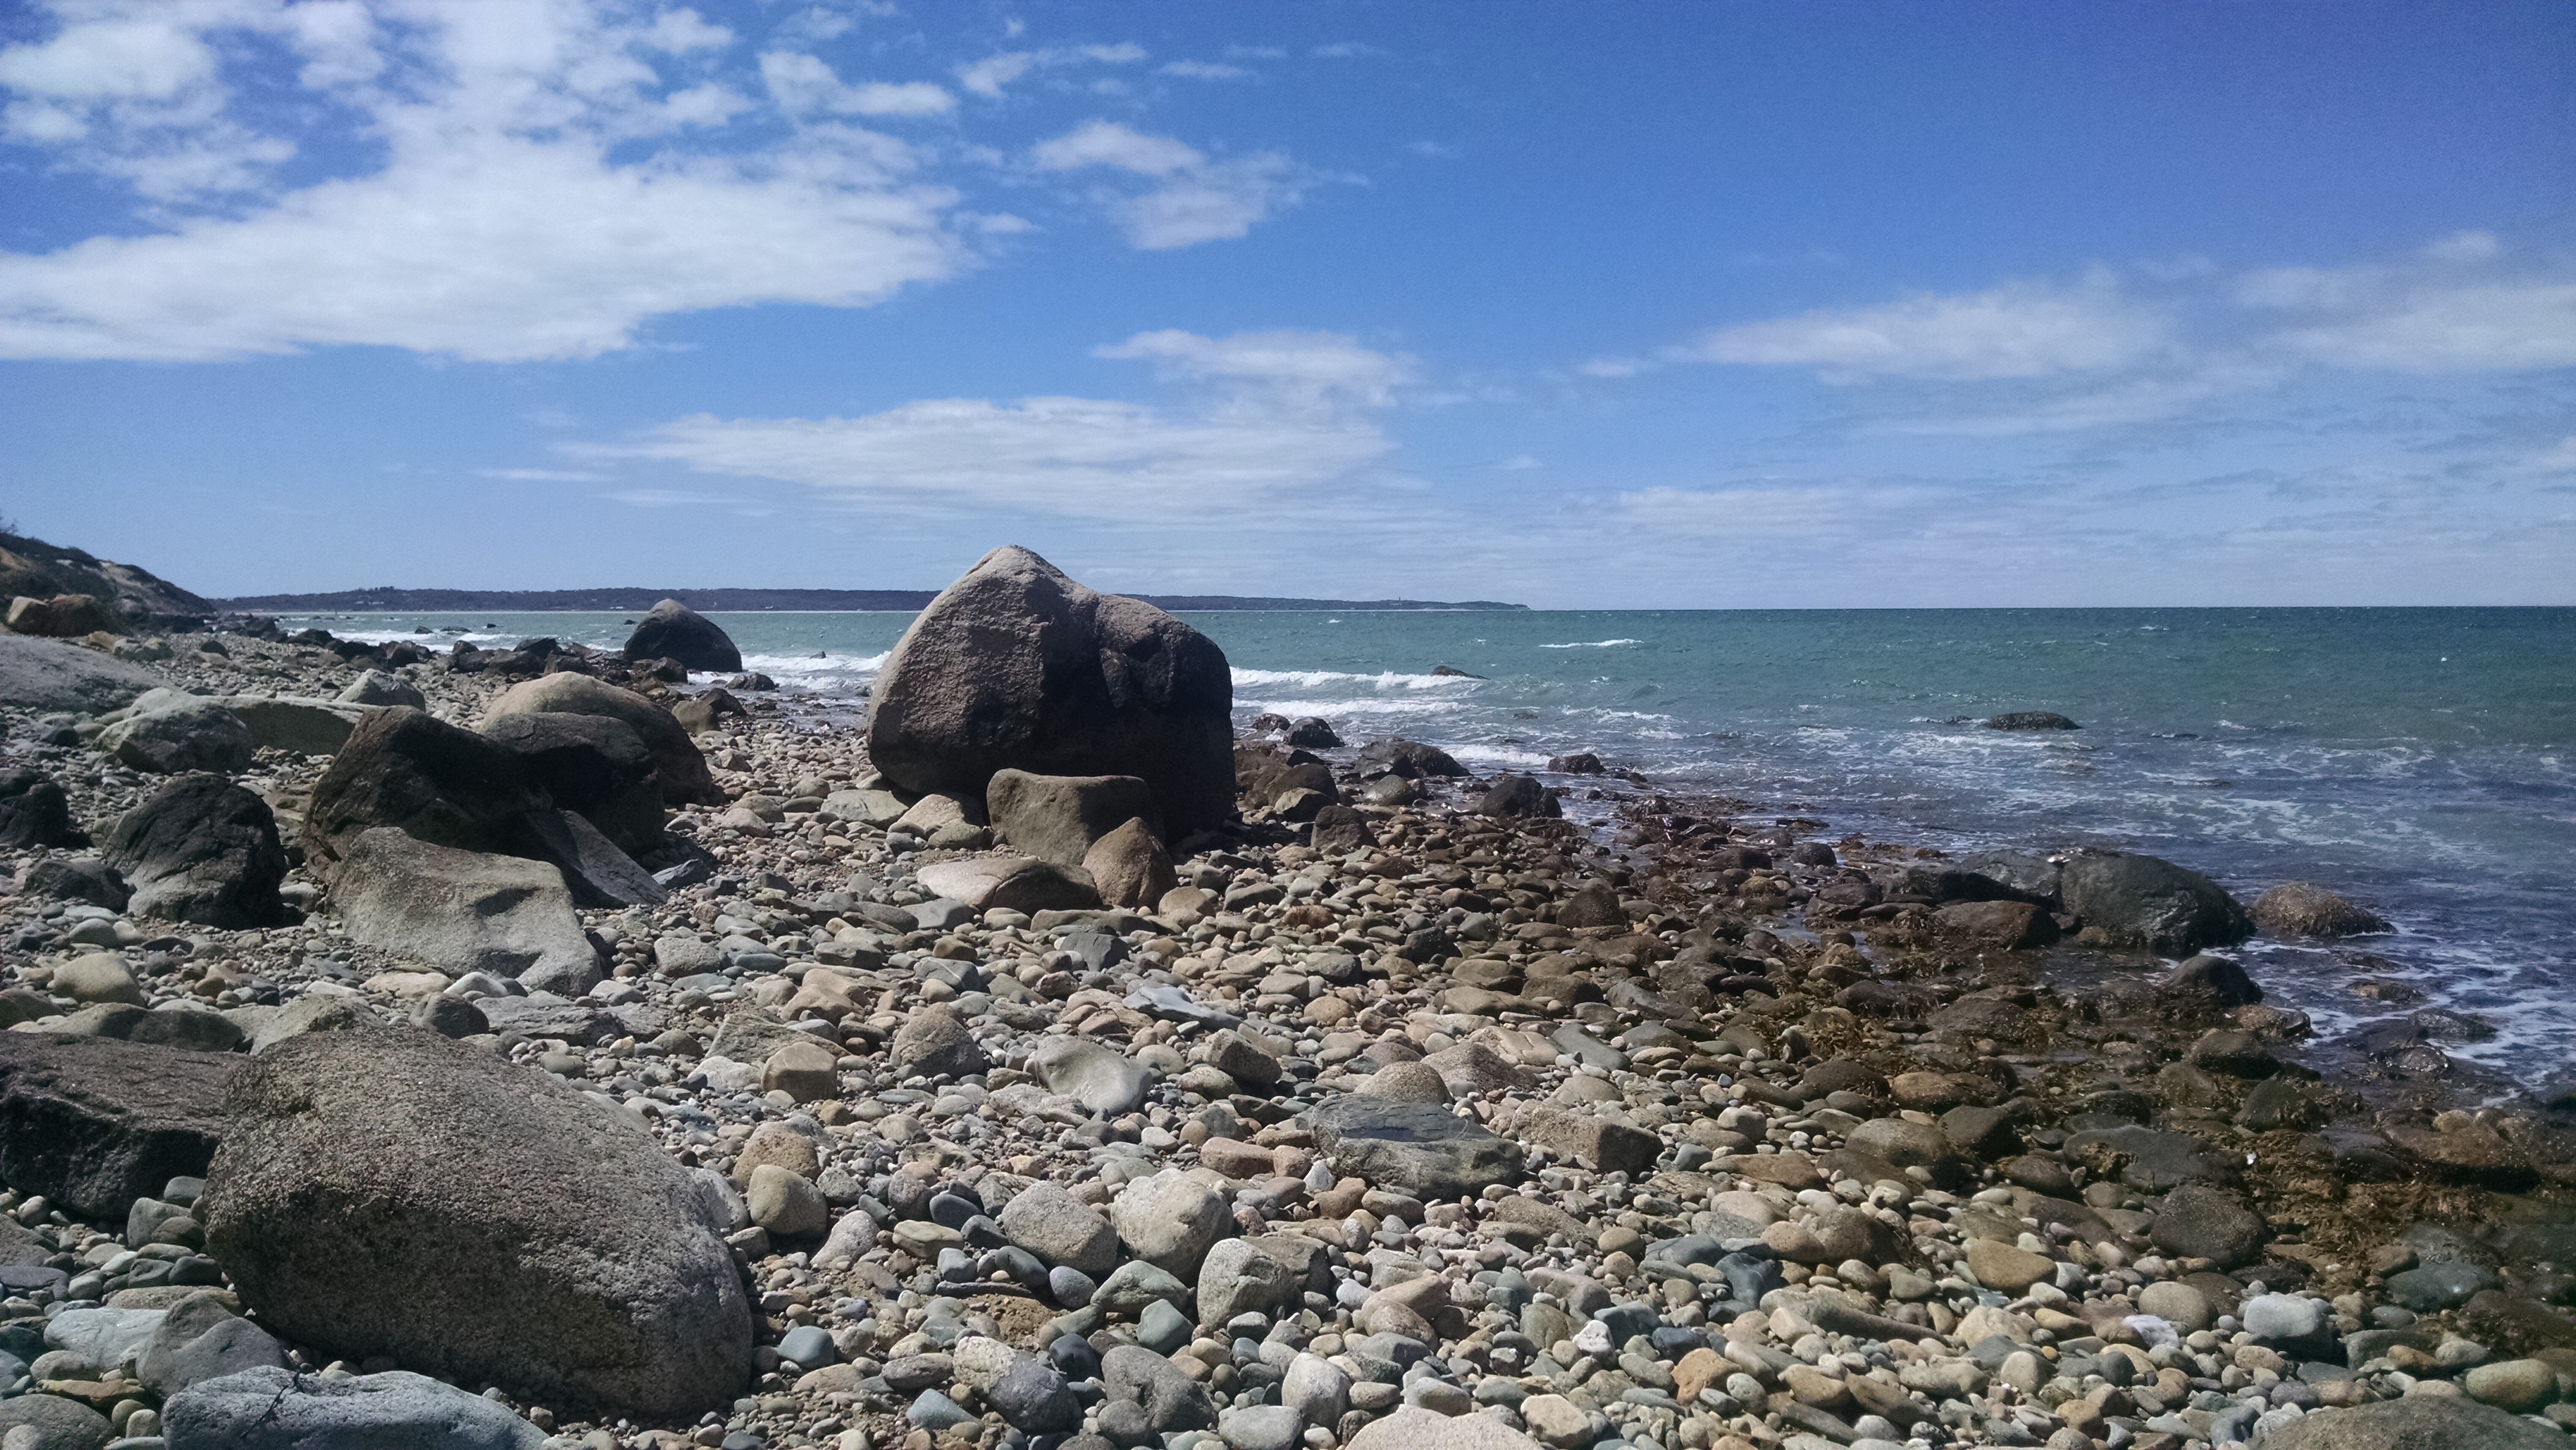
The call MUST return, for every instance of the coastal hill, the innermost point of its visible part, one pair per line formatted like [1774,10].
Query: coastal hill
[35,568]
[389,600]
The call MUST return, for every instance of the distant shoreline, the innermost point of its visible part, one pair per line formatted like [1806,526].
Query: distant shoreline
[778,601]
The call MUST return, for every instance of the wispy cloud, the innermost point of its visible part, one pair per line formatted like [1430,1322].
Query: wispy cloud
[991,76]
[2014,331]
[1197,199]
[1289,416]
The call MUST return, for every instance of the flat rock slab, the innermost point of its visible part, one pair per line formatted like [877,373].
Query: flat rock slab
[94,1123]
[1414,1147]
[276,1409]
[2417,1422]
[46,675]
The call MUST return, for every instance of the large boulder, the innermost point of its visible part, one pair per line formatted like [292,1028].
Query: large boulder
[201,849]
[94,1124]
[438,783]
[685,779]
[2142,901]
[385,1191]
[452,787]
[1410,1147]
[45,675]
[674,631]
[594,765]
[179,735]
[464,911]
[65,616]
[1016,666]
[1058,817]
[34,811]
[274,1408]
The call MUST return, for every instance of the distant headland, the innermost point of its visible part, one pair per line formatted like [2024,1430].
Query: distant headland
[413,601]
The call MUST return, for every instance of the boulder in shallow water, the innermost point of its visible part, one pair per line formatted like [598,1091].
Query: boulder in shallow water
[2141,901]
[2032,720]
[2296,908]
[674,631]
[384,1191]
[1518,795]
[1016,666]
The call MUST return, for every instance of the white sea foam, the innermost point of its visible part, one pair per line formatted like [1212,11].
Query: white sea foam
[1328,679]
[1593,644]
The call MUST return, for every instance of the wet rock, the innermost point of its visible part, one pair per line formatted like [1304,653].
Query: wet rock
[2032,720]
[673,631]
[2010,925]
[389,1192]
[1016,666]
[2142,901]
[1518,796]
[201,849]
[2430,1288]
[1408,758]
[2202,1222]
[2297,908]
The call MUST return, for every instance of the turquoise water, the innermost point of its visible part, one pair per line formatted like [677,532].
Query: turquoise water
[2423,761]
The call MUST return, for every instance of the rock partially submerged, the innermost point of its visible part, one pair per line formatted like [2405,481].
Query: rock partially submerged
[389,1192]
[674,631]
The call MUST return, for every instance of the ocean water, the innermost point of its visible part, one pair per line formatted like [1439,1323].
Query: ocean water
[2420,761]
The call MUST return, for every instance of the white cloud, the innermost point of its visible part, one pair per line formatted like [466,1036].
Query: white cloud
[1106,143]
[989,76]
[1345,50]
[2466,247]
[2014,331]
[110,58]
[1255,52]
[803,83]
[2385,320]
[1614,367]
[471,253]
[512,215]
[1291,424]
[679,31]
[1204,70]
[1199,200]
[1309,369]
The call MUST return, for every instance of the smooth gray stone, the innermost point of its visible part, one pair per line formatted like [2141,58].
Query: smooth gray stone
[273,1409]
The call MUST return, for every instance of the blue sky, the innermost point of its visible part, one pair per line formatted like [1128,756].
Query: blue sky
[1580,305]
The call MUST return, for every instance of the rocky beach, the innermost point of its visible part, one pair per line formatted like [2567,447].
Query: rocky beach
[556,1047]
